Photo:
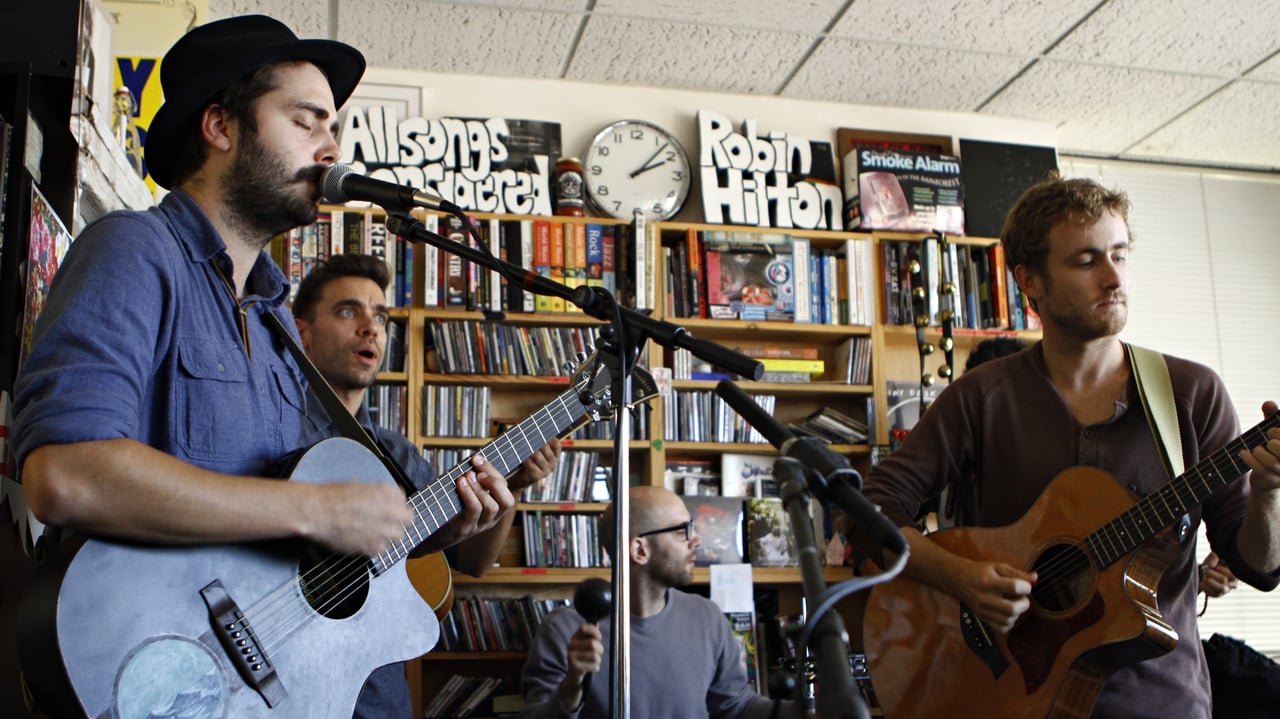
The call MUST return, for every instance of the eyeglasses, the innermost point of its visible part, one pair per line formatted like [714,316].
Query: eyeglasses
[689,528]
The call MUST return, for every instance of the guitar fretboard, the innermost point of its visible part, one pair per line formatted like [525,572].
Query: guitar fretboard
[434,506]
[1163,507]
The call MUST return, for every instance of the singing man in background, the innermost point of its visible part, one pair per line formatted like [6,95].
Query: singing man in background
[341,314]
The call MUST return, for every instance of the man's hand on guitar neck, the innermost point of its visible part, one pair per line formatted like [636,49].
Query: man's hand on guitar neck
[997,592]
[485,499]
[1259,538]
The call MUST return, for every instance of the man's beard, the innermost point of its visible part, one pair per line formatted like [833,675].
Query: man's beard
[260,190]
[1082,324]
[675,572]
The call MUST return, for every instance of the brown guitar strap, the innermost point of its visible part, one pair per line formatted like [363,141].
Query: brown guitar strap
[1156,392]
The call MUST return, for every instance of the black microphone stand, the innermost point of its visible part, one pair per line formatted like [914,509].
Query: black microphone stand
[836,694]
[809,465]
[628,332]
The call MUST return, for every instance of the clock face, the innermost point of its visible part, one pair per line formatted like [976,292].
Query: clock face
[636,166]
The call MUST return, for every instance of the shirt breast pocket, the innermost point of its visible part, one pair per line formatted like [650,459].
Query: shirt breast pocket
[215,417]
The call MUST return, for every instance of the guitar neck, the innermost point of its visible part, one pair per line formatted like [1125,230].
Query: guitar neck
[434,506]
[1163,507]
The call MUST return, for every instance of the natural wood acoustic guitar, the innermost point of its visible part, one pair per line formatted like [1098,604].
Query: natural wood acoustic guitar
[1099,555]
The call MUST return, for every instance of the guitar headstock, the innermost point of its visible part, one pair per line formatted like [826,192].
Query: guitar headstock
[594,384]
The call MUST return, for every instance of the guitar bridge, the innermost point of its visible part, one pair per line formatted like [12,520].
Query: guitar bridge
[978,639]
[241,644]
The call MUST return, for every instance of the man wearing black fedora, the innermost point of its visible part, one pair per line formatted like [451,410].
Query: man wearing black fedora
[157,397]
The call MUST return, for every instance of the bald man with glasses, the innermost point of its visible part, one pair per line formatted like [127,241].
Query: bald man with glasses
[685,660]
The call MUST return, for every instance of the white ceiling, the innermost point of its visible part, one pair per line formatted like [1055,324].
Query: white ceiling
[1182,81]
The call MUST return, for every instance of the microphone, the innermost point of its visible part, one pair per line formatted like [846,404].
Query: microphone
[341,184]
[593,599]
[836,478]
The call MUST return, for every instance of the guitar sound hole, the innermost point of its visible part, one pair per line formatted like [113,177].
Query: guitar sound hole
[1065,578]
[335,586]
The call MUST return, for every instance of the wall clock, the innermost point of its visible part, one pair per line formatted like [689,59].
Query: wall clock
[633,166]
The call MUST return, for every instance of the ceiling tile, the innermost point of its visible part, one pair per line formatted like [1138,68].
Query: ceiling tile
[1215,37]
[1236,126]
[964,24]
[457,38]
[848,70]
[1098,109]
[301,17]
[694,57]
[806,16]
[1269,70]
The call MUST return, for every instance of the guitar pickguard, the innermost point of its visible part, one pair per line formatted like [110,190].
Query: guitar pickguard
[170,677]
[1038,640]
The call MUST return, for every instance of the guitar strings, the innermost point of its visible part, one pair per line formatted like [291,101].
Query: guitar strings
[1214,472]
[347,577]
[350,575]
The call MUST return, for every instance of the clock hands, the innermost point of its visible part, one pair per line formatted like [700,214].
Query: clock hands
[646,166]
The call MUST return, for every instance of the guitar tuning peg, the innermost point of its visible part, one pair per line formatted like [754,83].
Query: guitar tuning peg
[580,357]
[567,367]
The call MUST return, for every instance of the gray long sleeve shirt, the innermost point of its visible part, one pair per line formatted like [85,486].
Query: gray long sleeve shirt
[685,664]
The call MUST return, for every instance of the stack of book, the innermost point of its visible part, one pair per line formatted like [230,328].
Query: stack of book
[461,696]
[833,426]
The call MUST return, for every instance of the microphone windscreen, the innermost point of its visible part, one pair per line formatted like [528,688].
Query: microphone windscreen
[593,599]
[331,184]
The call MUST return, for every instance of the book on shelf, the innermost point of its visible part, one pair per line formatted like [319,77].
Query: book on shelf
[749,276]
[834,426]
[777,352]
[609,259]
[454,277]
[480,691]
[692,477]
[542,260]
[595,254]
[813,367]
[507,704]
[785,377]
[852,361]
[743,626]
[557,262]
[450,695]
[747,475]
[770,542]
[719,521]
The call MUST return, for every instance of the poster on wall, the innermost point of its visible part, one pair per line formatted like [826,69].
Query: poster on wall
[479,164]
[141,76]
[766,177]
[48,241]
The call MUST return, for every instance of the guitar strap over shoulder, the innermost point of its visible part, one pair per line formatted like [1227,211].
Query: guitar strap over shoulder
[1155,389]
[337,411]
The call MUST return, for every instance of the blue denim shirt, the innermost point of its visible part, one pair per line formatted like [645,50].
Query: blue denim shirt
[141,337]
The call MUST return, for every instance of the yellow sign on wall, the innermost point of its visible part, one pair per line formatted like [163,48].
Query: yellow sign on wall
[141,75]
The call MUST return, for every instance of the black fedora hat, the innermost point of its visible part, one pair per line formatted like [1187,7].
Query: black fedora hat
[211,57]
